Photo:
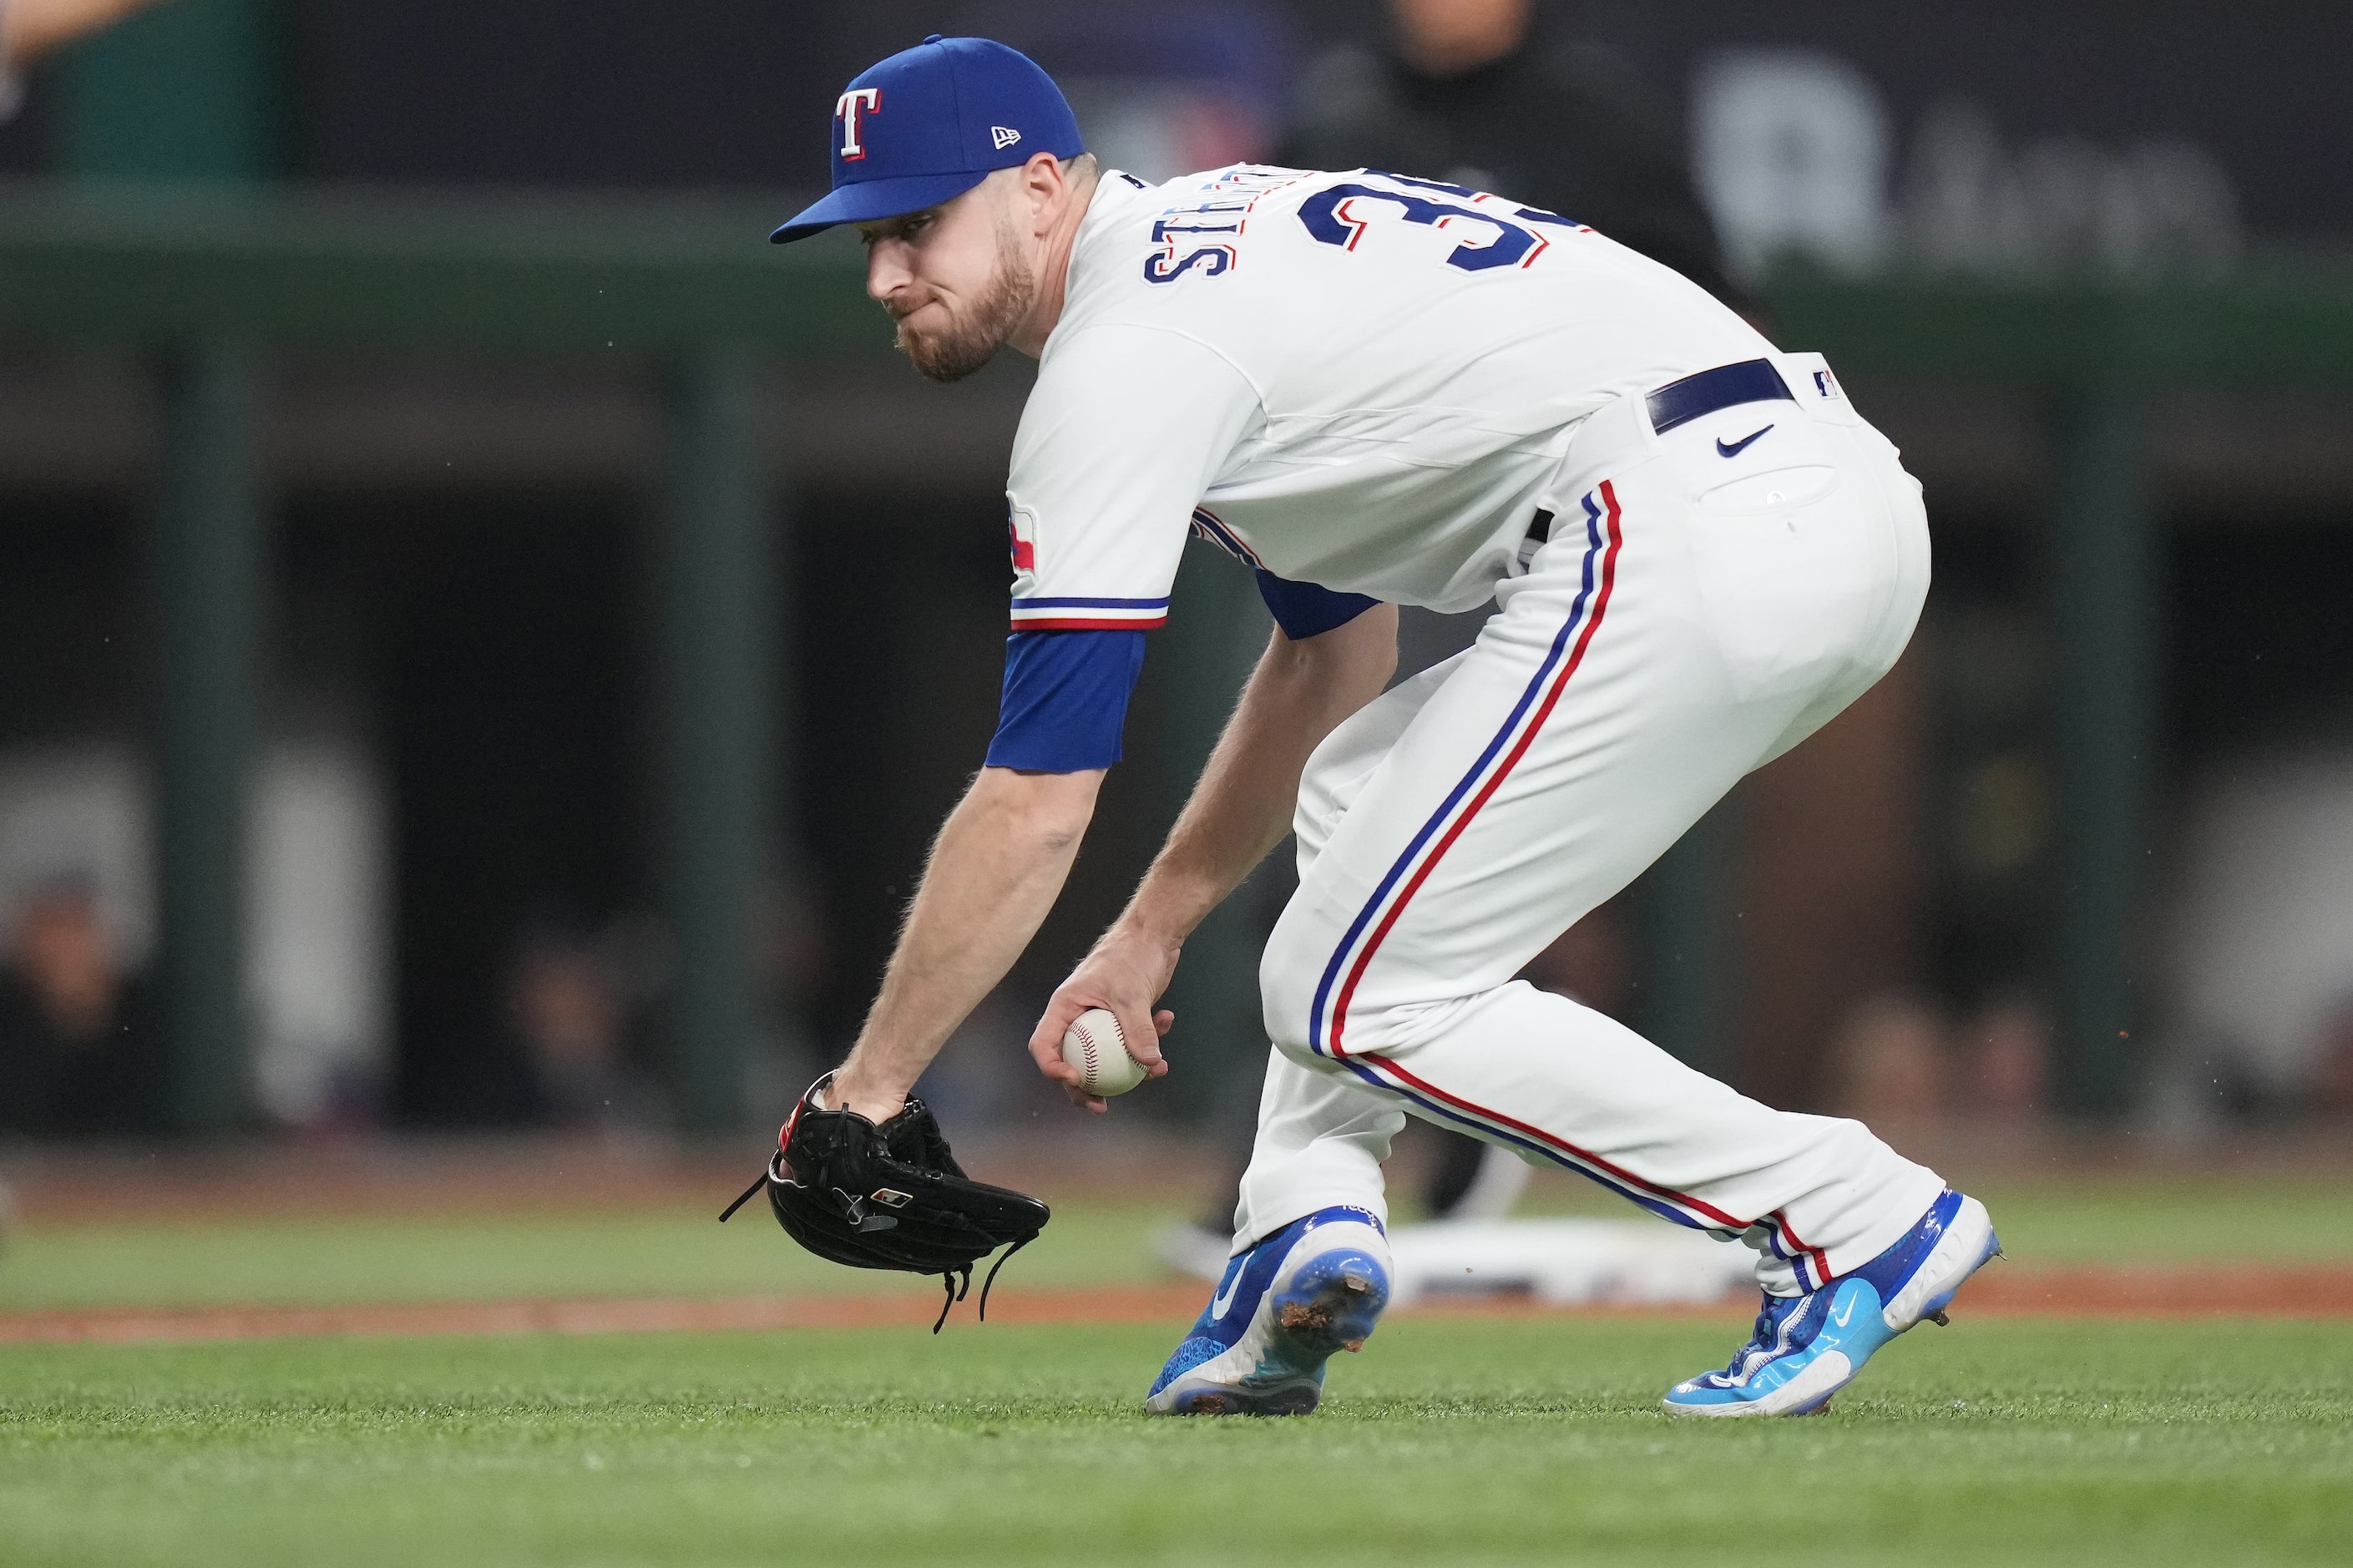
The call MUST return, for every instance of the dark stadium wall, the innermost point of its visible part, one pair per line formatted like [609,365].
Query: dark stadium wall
[735,92]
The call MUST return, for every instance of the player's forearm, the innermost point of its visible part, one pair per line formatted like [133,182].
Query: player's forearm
[32,28]
[1242,806]
[998,864]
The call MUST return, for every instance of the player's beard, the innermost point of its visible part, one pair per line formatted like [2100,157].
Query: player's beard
[996,312]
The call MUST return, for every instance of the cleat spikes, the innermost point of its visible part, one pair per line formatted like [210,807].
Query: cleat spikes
[1939,1318]
[1286,1306]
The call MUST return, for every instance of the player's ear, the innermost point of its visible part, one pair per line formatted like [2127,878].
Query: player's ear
[1043,184]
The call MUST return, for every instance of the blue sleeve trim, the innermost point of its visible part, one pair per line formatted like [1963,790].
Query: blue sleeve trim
[1303,610]
[1159,604]
[1065,700]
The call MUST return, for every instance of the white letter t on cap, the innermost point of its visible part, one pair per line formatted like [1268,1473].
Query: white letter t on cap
[846,110]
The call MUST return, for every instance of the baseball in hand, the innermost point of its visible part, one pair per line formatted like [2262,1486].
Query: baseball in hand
[1095,1046]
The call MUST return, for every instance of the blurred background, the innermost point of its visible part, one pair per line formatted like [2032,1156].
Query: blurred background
[485,640]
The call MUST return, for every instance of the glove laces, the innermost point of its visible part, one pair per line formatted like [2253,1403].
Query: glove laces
[958,1291]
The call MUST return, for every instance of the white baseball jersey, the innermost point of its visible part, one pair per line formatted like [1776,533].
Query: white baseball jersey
[1375,384]
[1360,380]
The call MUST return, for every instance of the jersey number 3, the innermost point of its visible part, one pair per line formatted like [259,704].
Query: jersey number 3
[1334,217]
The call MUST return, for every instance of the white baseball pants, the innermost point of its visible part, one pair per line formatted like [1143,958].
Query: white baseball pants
[1692,616]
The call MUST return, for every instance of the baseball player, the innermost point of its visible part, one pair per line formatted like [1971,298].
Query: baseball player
[1375,389]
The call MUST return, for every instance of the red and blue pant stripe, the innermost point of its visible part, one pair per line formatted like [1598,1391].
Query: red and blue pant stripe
[1337,987]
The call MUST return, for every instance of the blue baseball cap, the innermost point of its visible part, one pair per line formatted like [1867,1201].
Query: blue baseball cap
[930,123]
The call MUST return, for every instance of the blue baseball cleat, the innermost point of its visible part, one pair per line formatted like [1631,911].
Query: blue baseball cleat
[1807,1348]
[1315,1287]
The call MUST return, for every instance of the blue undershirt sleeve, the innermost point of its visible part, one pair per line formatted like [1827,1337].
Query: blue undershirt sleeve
[1065,700]
[1303,610]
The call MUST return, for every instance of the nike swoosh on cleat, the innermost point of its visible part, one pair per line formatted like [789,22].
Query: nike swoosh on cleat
[1843,1313]
[1225,1298]
[1737,447]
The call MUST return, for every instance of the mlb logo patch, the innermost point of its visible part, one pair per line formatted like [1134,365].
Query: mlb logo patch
[1826,384]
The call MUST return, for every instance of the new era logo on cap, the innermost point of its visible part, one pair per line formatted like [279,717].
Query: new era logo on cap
[929,123]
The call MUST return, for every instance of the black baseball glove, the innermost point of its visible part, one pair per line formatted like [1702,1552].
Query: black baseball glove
[889,1197]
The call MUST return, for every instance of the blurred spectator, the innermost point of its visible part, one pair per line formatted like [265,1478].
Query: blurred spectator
[2006,1065]
[1469,92]
[73,1047]
[570,1012]
[565,1060]
[1891,1063]
[32,28]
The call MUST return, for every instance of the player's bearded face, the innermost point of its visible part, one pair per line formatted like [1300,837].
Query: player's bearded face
[947,332]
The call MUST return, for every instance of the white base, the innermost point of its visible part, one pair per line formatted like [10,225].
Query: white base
[1560,1262]
[1566,1262]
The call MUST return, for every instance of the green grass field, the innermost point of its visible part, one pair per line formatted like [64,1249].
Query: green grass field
[1453,1441]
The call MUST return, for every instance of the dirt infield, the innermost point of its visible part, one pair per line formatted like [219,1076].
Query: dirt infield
[2314,1291]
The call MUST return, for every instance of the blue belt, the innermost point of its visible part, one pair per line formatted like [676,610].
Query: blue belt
[1680,402]
[1725,386]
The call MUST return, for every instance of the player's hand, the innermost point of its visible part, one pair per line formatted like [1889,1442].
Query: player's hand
[1126,973]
